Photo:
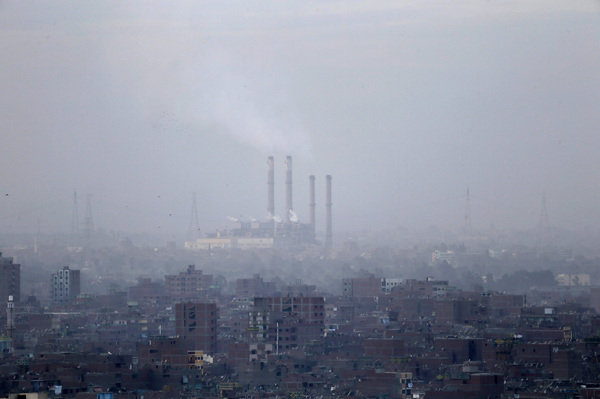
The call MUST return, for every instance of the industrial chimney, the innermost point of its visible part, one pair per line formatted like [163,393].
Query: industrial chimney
[311,181]
[328,227]
[271,187]
[288,189]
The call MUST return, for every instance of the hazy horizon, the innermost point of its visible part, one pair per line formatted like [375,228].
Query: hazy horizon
[407,105]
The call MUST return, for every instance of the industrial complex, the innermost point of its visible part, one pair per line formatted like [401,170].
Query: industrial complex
[275,232]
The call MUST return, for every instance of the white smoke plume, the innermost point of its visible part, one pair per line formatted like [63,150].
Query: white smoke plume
[203,78]
[251,104]
[293,217]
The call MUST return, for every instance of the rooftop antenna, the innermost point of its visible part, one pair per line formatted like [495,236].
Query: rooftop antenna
[194,229]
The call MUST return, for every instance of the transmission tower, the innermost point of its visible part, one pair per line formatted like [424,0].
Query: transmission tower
[543,224]
[88,223]
[544,231]
[467,228]
[194,229]
[36,239]
[75,221]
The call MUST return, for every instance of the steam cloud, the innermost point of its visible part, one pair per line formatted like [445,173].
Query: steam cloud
[252,106]
[205,84]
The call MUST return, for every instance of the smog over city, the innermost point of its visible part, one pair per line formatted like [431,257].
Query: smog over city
[418,171]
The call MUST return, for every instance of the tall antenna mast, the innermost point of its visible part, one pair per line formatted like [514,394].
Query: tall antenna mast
[544,224]
[544,232]
[75,221]
[288,189]
[194,229]
[88,222]
[467,229]
[328,216]
[36,239]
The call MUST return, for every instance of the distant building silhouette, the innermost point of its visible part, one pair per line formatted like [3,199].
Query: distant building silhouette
[66,285]
[10,282]
[188,285]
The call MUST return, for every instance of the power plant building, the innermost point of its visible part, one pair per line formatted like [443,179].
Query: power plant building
[229,243]
[276,232]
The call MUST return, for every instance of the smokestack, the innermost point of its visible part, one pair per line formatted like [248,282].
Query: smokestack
[271,187]
[328,227]
[288,188]
[311,181]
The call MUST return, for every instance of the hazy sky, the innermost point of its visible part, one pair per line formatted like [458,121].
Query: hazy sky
[404,103]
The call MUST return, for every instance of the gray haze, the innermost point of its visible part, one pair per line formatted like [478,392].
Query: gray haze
[404,103]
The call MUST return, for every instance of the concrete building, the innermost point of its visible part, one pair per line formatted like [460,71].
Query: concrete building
[163,350]
[10,283]
[390,283]
[196,324]
[384,349]
[299,289]
[188,285]
[65,285]
[572,280]
[148,293]
[368,286]
[243,243]
[289,322]
[248,288]
[210,243]
[476,385]
[376,383]
[441,256]
[502,305]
